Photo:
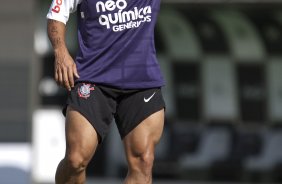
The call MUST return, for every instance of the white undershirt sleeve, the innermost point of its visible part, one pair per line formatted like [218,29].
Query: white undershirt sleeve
[61,9]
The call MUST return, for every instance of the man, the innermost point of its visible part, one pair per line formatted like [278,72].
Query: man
[115,75]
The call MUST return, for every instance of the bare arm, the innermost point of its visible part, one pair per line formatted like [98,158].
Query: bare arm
[65,68]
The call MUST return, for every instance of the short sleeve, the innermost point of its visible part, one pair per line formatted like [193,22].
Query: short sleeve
[61,9]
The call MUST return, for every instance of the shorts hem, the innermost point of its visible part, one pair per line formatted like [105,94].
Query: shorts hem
[97,129]
[139,121]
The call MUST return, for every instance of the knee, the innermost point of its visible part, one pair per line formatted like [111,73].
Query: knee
[76,163]
[143,163]
[147,161]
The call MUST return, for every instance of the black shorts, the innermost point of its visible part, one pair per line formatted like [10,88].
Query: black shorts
[100,104]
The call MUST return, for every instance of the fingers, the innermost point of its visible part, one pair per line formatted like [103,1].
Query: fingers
[66,82]
[61,81]
[75,73]
[64,76]
[70,78]
[58,76]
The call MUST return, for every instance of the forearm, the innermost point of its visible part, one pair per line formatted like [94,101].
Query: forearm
[56,32]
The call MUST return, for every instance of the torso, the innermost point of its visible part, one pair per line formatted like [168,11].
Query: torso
[116,43]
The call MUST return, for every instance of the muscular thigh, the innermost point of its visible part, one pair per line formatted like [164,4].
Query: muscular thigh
[81,137]
[145,136]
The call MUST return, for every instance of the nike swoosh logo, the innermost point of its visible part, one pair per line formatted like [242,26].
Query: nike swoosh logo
[148,99]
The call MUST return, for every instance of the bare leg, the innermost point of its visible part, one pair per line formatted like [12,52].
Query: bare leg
[139,147]
[81,143]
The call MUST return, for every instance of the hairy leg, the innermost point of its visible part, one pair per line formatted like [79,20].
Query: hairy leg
[81,143]
[139,148]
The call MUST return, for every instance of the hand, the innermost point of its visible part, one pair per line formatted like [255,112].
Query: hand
[65,70]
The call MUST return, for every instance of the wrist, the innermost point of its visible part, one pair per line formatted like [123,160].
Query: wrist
[60,50]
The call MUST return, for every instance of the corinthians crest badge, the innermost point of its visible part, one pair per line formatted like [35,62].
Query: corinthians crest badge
[84,90]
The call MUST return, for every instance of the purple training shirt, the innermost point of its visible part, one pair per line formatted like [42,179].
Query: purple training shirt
[116,43]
